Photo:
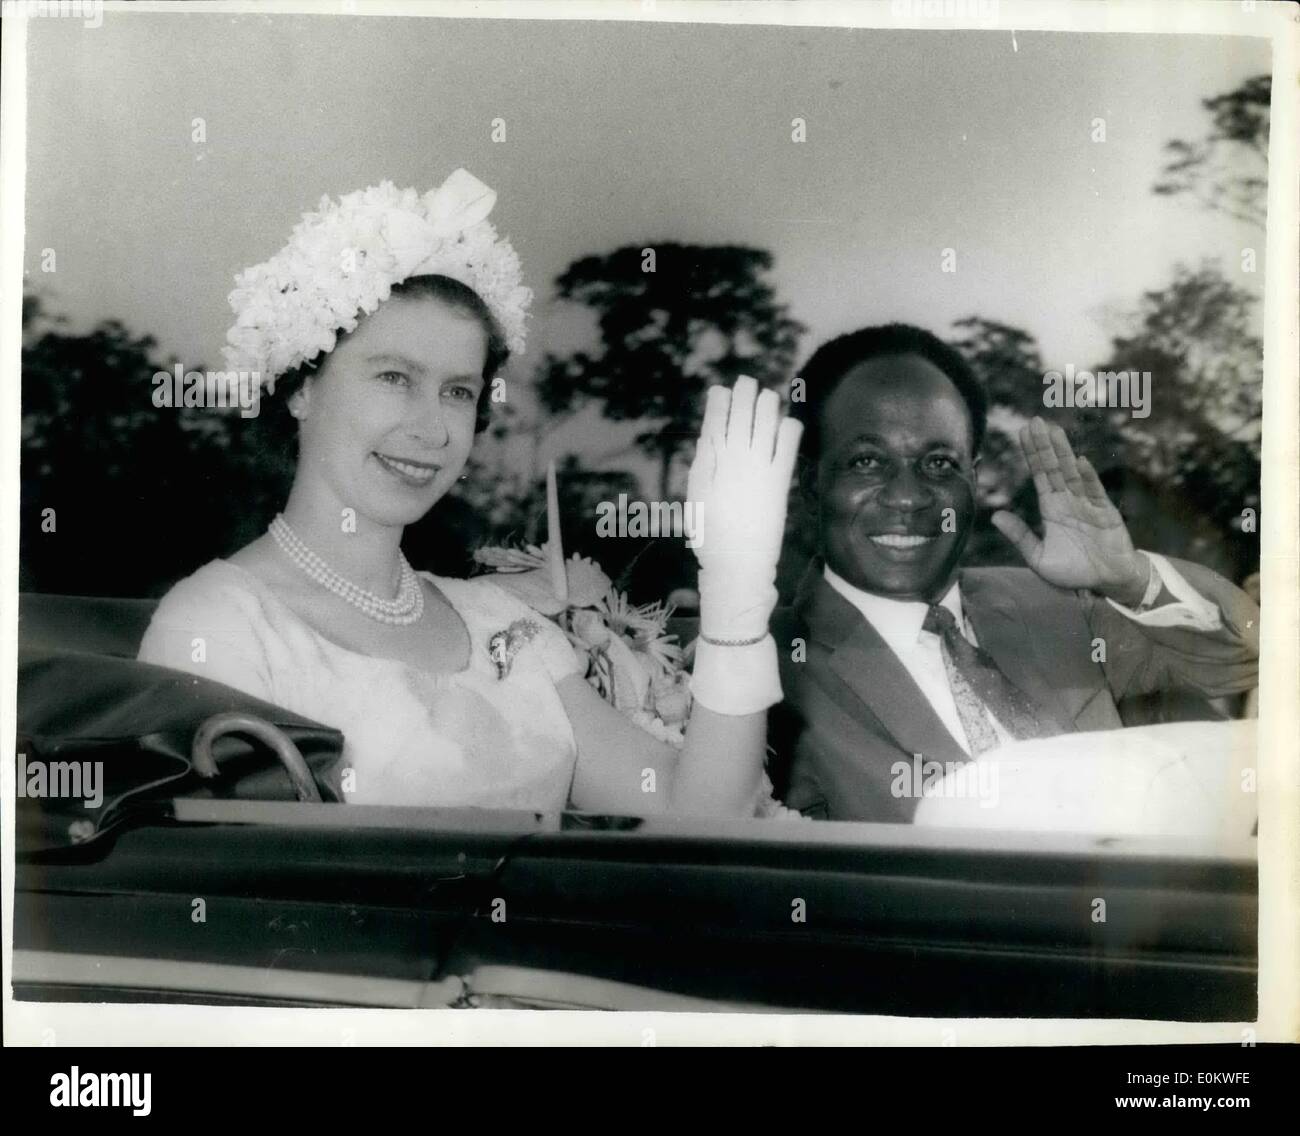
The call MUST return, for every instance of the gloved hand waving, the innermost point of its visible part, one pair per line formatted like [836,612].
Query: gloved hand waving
[737,491]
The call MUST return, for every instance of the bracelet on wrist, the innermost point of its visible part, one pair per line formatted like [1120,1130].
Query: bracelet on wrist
[733,642]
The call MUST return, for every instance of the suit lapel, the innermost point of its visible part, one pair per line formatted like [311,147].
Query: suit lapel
[1003,633]
[865,663]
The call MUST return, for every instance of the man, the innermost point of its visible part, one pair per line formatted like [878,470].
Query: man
[892,650]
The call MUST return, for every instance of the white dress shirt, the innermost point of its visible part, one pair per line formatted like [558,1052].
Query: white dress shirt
[898,623]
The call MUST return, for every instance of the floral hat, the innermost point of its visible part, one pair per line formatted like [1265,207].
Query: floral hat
[343,260]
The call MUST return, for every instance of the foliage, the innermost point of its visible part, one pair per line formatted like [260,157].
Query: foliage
[1197,337]
[1227,170]
[139,495]
[1181,476]
[142,496]
[705,314]
[1201,445]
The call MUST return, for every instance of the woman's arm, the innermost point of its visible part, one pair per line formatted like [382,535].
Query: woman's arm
[736,492]
[623,769]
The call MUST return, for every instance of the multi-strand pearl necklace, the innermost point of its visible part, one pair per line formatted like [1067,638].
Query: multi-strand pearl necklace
[407,607]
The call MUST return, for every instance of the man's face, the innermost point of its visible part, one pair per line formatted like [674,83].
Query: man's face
[895,483]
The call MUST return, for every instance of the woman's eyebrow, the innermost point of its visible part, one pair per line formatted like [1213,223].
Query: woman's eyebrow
[401,360]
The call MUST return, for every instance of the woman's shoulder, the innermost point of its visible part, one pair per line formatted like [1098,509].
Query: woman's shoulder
[479,597]
[212,623]
[476,589]
[215,578]
[218,596]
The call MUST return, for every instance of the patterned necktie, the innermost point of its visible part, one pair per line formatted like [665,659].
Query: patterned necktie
[979,684]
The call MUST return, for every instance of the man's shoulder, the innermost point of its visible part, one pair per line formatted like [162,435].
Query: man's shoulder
[1005,575]
[1011,582]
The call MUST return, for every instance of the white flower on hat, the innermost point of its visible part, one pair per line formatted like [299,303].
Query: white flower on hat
[342,262]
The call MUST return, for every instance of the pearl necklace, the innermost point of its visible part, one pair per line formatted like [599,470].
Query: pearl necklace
[406,608]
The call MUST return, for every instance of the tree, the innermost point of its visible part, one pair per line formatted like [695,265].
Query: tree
[1197,336]
[673,319]
[1010,366]
[142,495]
[1181,476]
[1227,170]
[1007,361]
[119,496]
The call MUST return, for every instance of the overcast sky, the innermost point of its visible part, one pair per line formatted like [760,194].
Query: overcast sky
[627,134]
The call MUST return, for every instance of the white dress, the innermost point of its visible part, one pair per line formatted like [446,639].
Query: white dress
[410,737]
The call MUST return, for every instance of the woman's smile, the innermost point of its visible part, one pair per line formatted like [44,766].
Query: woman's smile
[416,474]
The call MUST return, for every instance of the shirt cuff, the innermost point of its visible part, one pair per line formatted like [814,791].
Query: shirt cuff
[1190,609]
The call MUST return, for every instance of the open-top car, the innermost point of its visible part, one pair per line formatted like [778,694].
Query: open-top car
[219,865]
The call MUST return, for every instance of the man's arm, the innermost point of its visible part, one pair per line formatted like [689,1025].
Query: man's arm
[1179,644]
[1202,634]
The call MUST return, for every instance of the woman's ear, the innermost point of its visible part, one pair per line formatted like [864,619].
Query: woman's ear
[300,400]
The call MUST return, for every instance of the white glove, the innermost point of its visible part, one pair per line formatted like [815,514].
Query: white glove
[737,491]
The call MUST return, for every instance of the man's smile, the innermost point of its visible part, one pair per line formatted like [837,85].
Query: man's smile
[900,540]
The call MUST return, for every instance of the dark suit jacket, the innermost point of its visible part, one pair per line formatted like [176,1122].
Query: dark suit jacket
[851,709]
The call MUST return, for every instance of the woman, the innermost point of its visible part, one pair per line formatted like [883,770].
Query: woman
[385,321]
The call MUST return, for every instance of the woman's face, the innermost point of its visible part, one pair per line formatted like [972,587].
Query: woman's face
[388,422]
